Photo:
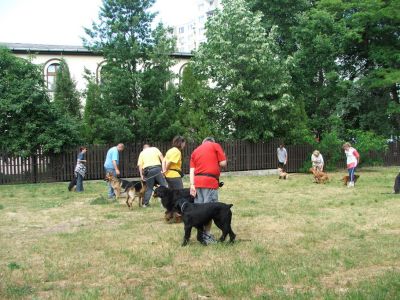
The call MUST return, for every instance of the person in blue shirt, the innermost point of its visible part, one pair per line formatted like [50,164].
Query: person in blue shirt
[111,165]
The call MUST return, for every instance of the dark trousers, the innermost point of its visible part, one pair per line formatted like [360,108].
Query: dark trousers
[175,183]
[152,175]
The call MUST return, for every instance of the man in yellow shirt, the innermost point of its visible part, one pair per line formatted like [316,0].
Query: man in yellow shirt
[149,163]
[172,163]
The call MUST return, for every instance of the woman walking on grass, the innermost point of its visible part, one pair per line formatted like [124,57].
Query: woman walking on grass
[80,169]
[352,160]
[172,163]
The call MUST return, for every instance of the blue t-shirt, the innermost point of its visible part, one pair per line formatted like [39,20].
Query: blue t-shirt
[81,156]
[112,154]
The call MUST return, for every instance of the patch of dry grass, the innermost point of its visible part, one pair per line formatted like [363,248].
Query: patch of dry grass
[296,239]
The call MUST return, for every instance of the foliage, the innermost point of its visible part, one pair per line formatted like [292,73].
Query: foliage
[28,120]
[133,87]
[197,113]
[330,147]
[249,76]
[366,142]
[66,97]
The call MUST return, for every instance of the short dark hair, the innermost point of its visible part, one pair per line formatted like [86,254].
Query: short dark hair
[209,139]
[82,148]
[178,141]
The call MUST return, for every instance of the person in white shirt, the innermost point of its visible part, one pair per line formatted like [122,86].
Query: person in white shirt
[352,161]
[282,157]
[317,161]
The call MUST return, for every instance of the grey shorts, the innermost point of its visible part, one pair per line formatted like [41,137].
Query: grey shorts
[204,195]
[175,183]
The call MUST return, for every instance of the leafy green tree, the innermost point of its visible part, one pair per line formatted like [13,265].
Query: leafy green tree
[101,124]
[197,113]
[66,97]
[28,120]
[250,79]
[134,81]
[285,14]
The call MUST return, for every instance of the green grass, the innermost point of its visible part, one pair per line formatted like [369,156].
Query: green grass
[296,240]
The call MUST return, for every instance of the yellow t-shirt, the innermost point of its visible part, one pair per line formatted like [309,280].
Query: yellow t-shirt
[173,156]
[149,157]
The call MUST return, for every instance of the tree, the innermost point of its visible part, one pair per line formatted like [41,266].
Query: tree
[28,120]
[250,78]
[197,111]
[134,81]
[66,97]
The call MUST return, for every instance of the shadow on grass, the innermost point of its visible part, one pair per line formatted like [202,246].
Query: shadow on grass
[101,200]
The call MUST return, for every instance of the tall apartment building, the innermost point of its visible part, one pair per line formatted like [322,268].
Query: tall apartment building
[190,35]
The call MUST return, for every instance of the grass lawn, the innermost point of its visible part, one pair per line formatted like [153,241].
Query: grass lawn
[296,240]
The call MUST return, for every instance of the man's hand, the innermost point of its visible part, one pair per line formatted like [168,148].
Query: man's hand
[117,172]
[193,190]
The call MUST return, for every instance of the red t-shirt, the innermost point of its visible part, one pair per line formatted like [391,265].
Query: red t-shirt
[205,160]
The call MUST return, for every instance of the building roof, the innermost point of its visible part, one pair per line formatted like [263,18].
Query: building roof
[65,49]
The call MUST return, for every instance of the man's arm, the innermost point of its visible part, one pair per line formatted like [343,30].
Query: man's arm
[192,187]
[116,167]
[141,172]
[223,163]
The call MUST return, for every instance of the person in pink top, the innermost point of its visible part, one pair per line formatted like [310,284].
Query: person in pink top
[352,160]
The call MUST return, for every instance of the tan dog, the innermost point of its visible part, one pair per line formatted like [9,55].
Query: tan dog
[133,189]
[346,179]
[319,176]
[282,174]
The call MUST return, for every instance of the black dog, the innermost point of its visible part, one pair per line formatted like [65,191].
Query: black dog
[169,200]
[199,215]
[397,184]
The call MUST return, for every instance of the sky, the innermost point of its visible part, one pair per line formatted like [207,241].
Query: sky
[61,22]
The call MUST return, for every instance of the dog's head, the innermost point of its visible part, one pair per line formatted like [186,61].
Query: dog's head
[161,192]
[110,177]
[180,203]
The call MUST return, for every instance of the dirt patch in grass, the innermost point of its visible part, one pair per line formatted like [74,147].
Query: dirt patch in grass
[342,280]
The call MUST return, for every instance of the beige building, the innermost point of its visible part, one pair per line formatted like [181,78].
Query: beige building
[77,58]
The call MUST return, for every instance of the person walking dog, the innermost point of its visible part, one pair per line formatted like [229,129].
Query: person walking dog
[111,165]
[282,157]
[317,161]
[205,167]
[150,169]
[352,161]
[172,163]
[80,169]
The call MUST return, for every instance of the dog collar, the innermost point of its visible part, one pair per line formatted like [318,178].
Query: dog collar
[183,205]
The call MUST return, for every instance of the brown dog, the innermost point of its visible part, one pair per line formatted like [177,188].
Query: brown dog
[319,176]
[133,189]
[282,174]
[346,179]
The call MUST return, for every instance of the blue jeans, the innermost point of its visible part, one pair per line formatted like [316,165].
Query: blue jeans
[155,176]
[111,193]
[351,171]
[79,183]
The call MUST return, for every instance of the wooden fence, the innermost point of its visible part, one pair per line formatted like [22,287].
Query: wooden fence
[242,156]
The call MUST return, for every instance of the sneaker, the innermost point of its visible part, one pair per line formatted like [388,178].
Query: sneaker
[209,238]
[145,205]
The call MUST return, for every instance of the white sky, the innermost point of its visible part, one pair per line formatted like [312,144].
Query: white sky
[61,22]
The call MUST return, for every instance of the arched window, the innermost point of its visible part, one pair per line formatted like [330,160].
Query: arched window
[51,73]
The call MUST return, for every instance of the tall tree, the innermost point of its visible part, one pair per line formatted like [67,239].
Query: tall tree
[250,79]
[28,120]
[134,80]
[66,97]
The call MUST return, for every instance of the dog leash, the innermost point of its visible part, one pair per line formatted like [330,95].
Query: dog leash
[147,178]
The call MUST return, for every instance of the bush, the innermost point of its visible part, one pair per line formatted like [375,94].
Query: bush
[370,146]
[331,150]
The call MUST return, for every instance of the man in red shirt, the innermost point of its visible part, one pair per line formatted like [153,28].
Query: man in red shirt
[205,168]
